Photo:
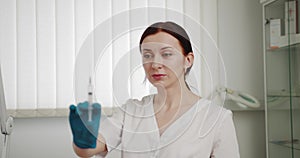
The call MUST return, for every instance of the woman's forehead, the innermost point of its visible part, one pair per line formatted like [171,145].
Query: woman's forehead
[160,40]
[153,45]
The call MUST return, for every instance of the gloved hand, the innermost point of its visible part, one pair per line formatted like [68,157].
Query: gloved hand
[84,132]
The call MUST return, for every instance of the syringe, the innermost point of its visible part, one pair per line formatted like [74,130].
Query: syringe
[90,99]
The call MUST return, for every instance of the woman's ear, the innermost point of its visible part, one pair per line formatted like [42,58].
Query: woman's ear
[189,59]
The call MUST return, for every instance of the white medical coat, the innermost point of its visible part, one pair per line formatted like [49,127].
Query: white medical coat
[204,131]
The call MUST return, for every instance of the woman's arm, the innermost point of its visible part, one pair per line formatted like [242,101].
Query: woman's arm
[100,149]
[226,144]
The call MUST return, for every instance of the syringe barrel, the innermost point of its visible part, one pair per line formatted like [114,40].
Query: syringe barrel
[90,100]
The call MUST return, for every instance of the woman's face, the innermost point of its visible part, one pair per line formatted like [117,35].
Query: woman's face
[163,59]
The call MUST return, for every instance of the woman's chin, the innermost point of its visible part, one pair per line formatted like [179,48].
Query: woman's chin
[158,84]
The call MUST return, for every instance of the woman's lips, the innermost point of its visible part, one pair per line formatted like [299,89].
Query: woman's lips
[158,76]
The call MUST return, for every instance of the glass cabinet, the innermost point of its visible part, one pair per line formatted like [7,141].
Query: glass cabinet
[282,77]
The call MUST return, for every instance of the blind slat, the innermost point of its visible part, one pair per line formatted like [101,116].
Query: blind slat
[121,48]
[103,52]
[65,52]
[138,23]
[158,14]
[175,11]
[84,21]
[26,55]
[46,54]
[8,50]
[194,28]
[84,47]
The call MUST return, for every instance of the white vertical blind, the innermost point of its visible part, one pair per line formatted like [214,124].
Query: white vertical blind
[176,8]
[41,41]
[120,51]
[155,14]
[83,21]
[192,14]
[65,52]
[103,72]
[211,71]
[84,47]
[138,18]
[45,53]
[26,58]
[8,50]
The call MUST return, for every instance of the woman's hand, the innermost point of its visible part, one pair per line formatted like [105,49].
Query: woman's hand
[85,132]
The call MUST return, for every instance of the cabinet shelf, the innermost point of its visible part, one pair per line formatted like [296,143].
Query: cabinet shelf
[283,93]
[287,144]
[287,42]
[295,95]
[285,48]
[283,103]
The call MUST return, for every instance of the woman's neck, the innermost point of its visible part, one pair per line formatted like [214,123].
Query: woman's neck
[174,96]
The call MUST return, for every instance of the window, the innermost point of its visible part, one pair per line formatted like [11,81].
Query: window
[41,41]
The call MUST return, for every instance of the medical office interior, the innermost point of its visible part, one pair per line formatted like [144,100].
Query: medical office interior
[255,59]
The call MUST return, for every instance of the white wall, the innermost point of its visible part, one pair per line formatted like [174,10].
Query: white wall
[51,137]
[241,45]
[250,128]
[41,137]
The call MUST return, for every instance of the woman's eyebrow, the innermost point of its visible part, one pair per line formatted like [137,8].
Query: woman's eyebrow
[145,49]
[164,48]
[167,47]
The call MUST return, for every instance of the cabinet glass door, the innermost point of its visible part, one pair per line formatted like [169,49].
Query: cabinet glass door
[282,65]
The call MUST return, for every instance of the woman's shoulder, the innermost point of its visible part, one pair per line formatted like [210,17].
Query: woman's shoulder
[213,106]
[211,116]
[213,111]
[143,102]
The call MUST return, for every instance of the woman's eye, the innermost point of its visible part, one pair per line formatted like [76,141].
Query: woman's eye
[147,55]
[167,54]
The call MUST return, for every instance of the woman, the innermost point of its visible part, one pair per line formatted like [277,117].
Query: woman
[175,122]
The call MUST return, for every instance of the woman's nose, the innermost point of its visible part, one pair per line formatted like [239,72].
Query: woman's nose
[157,63]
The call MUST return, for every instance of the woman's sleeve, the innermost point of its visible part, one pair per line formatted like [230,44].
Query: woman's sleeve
[225,142]
[111,128]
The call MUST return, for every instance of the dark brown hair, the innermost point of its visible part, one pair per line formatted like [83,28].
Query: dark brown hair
[173,29]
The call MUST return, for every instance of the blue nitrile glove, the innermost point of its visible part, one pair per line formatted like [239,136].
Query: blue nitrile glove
[84,132]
